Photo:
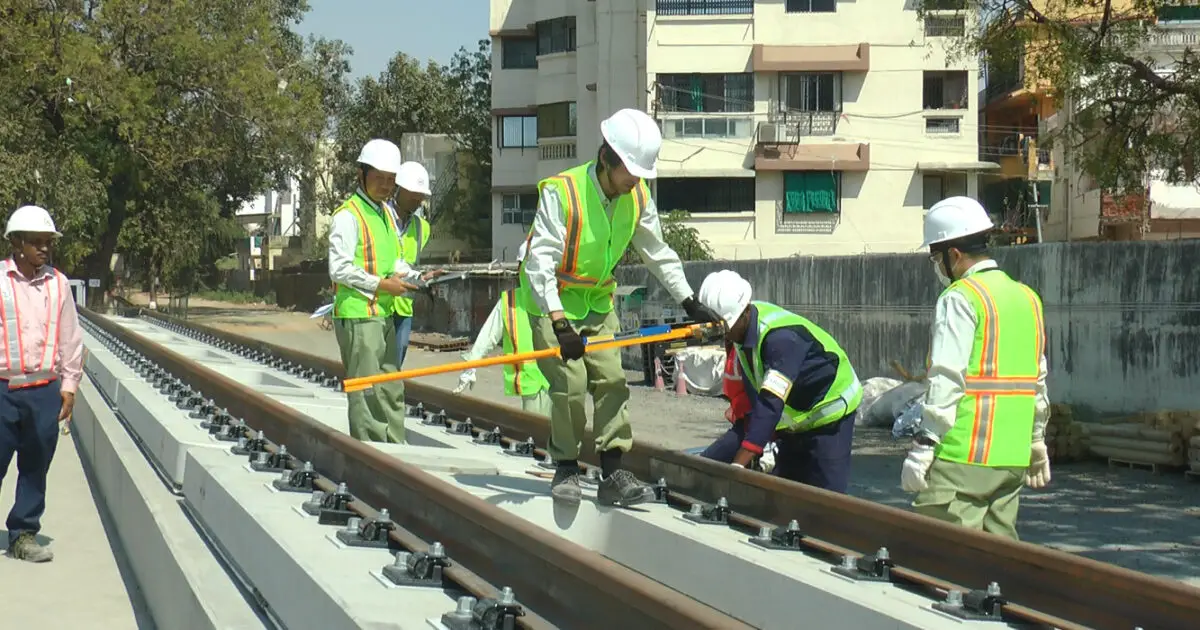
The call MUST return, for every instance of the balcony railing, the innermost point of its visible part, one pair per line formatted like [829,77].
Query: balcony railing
[557,149]
[945,26]
[789,127]
[704,7]
[1173,39]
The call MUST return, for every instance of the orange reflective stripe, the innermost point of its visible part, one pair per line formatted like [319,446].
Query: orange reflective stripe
[574,212]
[565,279]
[985,401]
[1039,321]
[368,247]
[639,199]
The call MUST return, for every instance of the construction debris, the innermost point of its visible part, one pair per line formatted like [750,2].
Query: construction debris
[1155,439]
[438,342]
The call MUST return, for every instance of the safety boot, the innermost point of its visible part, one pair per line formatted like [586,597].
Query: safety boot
[27,548]
[565,486]
[622,488]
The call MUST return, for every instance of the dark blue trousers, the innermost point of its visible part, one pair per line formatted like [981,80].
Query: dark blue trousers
[29,430]
[403,330]
[820,457]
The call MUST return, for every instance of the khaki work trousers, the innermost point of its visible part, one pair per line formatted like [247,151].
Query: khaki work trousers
[538,403]
[977,497]
[368,347]
[597,373]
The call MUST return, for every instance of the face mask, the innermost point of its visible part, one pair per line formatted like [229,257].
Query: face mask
[937,269]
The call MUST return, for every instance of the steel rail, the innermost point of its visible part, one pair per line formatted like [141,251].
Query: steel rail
[1042,586]
[567,584]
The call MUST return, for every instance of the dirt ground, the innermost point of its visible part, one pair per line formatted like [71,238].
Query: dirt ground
[1130,518]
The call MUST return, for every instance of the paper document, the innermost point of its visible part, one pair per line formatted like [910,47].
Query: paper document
[322,311]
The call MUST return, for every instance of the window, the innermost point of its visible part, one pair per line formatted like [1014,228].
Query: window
[811,192]
[1179,14]
[945,89]
[945,26]
[556,120]
[518,208]
[942,125]
[518,53]
[938,186]
[705,194]
[706,92]
[708,128]
[810,6]
[704,7]
[518,132]
[811,91]
[555,36]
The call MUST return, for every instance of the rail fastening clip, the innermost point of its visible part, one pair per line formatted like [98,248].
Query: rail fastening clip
[976,605]
[423,568]
[874,568]
[714,515]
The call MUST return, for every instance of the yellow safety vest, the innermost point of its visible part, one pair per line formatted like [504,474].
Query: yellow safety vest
[412,241]
[521,379]
[376,253]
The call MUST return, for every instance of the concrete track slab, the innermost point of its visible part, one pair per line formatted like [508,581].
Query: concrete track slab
[85,586]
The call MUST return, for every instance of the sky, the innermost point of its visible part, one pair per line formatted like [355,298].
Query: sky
[378,29]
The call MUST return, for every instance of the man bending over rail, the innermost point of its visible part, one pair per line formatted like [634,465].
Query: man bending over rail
[43,364]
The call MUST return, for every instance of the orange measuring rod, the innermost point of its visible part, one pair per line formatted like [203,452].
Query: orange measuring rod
[592,344]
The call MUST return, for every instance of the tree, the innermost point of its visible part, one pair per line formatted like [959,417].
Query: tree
[165,117]
[468,213]
[1131,116]
[682,238]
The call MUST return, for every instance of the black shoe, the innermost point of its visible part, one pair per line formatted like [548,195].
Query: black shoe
[622,488]
[565,486]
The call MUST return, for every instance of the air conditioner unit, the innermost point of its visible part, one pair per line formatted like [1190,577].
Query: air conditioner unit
[768,133]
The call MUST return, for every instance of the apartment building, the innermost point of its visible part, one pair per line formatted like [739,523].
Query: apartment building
[791,127]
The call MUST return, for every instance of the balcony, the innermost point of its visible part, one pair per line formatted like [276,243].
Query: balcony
[703,7]
[790,126]
[945,25]
[780,145]
[556,149]
[1166,40]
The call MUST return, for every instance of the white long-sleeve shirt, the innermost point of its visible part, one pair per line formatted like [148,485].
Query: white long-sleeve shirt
[343,241]
[490,335]
[954,326]
[549,234]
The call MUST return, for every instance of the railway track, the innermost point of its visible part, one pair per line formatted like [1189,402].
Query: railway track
[953,567]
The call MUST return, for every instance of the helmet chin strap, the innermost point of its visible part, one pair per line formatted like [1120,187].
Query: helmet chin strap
[946,264]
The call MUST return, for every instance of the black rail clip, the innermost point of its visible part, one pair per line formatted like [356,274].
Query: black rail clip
[370,533]
[253,445]
[489,437]
[216,421]
[206,409]
[974,605]
[521,449]
[874,568]
[661,492]
[714,515]
[300,480]
[330,509]
[424,568]
[233,432]
[485,614]
[271,462]
[461,428]
[432,419]
[780,538]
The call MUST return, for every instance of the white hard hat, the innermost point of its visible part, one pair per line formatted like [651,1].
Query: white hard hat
[636,139]
[727,293]
[413,177]
[30,219]
[954,218]
[381,155]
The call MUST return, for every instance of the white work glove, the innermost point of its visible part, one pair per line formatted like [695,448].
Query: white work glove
[766,462]
[916,468]
[1038,474]
[466,380]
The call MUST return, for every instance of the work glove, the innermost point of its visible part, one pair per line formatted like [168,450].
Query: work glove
[569,342]
[1038,474]
[466,380]
[700,313]
[766,461]
[916,468]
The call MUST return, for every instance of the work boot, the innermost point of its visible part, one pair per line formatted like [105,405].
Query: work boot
[622,488]
[565,486]
[26,548]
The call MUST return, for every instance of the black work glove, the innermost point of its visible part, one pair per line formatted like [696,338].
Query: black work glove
[568,340]
[700,313]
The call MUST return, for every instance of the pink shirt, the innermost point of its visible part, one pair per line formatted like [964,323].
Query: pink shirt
[33,301]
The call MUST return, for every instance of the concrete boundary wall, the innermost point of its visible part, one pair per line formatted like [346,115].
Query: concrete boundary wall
[1122,319]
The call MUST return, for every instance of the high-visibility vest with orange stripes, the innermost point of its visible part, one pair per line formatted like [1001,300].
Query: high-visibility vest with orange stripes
[412,241]
[994,424]
[521,379]
[593,246]
[16,371]
[375,252]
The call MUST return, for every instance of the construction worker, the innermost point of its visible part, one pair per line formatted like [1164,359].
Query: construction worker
[43,355]
[983,420]
[412,190]
[363,254]
[803,390]
[587,216]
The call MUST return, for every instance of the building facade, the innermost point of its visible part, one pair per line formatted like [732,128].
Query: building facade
[791,127]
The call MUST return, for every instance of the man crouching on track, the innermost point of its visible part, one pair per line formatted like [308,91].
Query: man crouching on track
[802,388]
[43,354]
[984,416]
[363,253]
[587,216]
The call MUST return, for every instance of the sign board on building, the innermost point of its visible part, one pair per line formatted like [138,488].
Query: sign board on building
[94,283]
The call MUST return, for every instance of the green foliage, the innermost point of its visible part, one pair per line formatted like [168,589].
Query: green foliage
[682,238]
[1131,117]
[147,125]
